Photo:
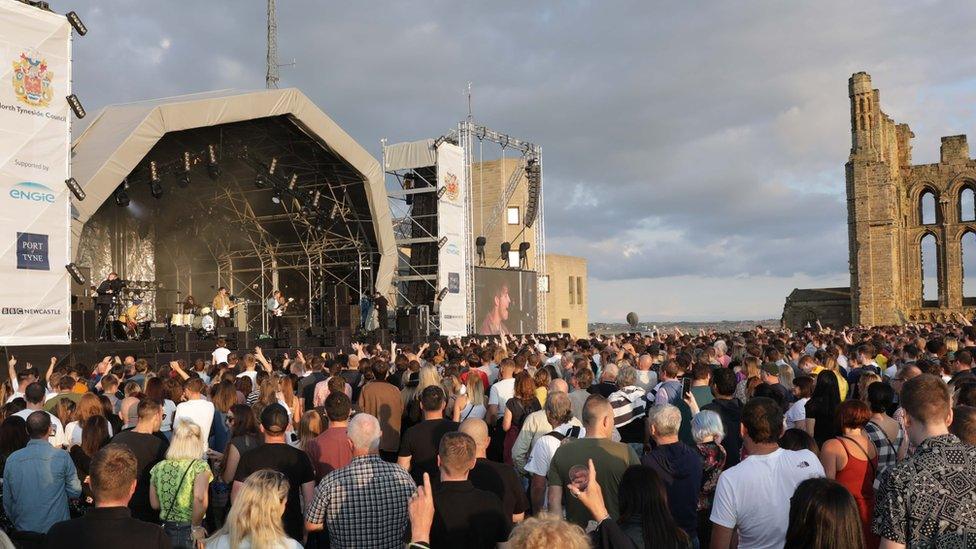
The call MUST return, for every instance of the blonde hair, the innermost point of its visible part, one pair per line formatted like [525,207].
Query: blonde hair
[309,428]
[187,441]
[476,389]
[256,513]
[428,377]
[546,531]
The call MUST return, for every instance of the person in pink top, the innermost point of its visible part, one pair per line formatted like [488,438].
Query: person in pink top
[331,449]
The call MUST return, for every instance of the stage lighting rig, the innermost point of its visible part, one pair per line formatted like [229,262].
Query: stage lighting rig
[293,182]
[316,198]
[121,196]
[154,186]
[276,196]
[441,242]
[76,23]
[184,180]
[505,248]
[442,294]
[75,105]
[75,188]
[213,169]
[75,273]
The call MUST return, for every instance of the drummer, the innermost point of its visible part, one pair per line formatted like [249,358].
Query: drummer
[190,306]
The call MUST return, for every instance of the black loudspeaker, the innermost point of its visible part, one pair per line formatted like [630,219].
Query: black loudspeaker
[83,326]
[245,342]
[343,339]
[158,334]
[227,331]
[81,293]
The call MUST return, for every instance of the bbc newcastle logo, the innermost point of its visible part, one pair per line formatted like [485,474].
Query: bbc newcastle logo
[32,252]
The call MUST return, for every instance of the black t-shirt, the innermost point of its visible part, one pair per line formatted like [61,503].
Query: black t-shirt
[306,387]
[467,518]
[502,480]
[353,378]
[295,465]
[420,442]
[825,419]
[149,450]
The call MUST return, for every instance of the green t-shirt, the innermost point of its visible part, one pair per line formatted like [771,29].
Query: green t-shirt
[610,459]
[703,395]
[166,477]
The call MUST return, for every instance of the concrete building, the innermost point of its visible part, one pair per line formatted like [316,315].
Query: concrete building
[566,302]
[497,222]
[911,227]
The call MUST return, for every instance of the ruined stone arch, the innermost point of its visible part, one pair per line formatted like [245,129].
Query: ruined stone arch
[925,197]
[964,195]
[931,277]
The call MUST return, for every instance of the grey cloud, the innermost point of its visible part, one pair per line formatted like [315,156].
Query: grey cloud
[722,123]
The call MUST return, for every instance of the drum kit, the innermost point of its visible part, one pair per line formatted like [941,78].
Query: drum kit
[202,321]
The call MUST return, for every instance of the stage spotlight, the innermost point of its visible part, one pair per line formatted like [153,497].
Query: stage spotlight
[442,294]
[441,242]
[334,213]
[293,182]
[523,254]
[441,191]
[76,23]
[480,245]
[213,169]
[276,196]
[273,165]
[122,197]
[506,247]
[259,181]
[184,180]
[154,186]
[75,105]
[316,197]
[75,273]
[75,188]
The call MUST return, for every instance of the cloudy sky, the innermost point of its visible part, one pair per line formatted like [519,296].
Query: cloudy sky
[694,151]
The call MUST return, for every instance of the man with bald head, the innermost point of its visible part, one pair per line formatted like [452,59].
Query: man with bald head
[497,478]
[569,463]
[535,425]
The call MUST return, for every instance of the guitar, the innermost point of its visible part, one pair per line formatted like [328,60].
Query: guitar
[281,308]
[224,312]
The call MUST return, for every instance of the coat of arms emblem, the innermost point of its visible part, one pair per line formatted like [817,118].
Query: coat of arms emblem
[32,80]
[451,184]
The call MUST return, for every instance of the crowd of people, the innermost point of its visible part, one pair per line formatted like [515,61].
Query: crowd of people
[856,438]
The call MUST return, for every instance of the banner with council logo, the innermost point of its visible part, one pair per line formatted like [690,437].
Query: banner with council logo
[35,140]
[452,257]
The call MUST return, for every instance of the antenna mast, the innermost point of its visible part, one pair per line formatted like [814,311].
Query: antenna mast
[271,78]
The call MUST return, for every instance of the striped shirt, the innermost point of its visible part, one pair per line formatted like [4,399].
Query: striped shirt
[628,405]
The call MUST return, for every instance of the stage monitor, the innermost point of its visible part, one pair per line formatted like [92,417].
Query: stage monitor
[505,301]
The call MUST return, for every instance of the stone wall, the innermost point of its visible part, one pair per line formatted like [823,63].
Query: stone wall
[831,306]
[885,217]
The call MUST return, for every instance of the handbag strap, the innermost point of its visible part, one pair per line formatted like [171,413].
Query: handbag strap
[179,486]
[867,456]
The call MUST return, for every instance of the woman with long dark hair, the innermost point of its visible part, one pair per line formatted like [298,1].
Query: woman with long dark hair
[644,513]
[821,420]
[823,514]
[516,410]
[94,435]
[156,391]
[13,437]
[244,435]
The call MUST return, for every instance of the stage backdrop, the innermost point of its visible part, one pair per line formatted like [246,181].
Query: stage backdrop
[35,134]
[452,188]
[505,301]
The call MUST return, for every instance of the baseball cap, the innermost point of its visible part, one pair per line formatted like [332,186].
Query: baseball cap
[771,368]
[540,347]
[274,419]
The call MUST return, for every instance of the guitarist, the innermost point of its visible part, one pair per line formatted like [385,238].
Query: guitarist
[222,305]
[275,306]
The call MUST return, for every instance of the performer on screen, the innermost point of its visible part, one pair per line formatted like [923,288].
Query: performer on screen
[107,292]
[222,305]
[494,322]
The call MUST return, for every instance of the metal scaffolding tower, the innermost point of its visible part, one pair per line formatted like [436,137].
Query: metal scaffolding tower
[271,76]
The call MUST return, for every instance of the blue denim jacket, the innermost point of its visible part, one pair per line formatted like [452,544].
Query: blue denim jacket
[38,480]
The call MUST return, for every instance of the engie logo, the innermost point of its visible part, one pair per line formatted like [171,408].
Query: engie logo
[33,192]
